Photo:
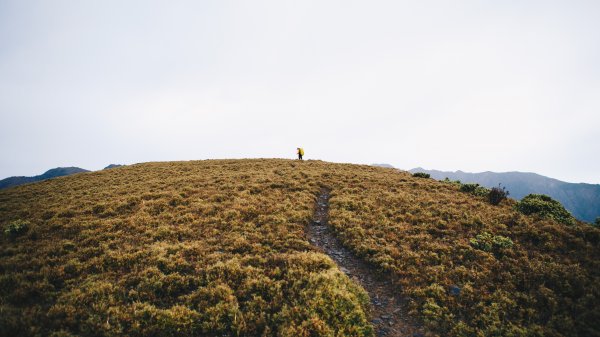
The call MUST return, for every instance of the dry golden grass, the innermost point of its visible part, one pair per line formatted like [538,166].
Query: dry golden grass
[470,268]
[218,248]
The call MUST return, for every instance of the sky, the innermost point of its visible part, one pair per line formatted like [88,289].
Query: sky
[449,85]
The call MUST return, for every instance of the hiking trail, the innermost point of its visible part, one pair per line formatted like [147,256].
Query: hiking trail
[389,314]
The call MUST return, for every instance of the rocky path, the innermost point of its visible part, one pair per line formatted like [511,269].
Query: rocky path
[389,315]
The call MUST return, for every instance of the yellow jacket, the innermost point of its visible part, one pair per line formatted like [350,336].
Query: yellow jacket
[301,151]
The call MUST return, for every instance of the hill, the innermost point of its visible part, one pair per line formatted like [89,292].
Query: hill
[220,248]
[52,173]
[582,200]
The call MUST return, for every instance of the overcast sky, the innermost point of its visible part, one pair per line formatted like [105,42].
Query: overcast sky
[470,85]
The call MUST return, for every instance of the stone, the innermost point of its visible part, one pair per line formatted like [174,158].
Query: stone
[455,290]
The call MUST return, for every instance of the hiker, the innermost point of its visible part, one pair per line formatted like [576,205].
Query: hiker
[300,153]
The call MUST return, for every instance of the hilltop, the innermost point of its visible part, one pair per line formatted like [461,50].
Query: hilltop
[582,200]
[220,248]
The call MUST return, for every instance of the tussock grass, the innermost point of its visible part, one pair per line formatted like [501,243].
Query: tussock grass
[471,268]
[218,248]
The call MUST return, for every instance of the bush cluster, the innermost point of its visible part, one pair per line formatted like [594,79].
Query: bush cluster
[545,206]
[494,195]
[474,189]
[16,228]
[491,243]
[421,175]
[497,194]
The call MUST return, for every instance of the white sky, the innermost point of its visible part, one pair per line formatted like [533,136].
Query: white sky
[470,85]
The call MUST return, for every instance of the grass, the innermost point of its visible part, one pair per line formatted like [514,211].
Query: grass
[218,248]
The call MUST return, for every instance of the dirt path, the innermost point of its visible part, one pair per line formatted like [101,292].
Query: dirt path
[389,314]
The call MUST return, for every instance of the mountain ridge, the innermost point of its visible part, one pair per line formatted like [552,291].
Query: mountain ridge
[51,173]
[581,199]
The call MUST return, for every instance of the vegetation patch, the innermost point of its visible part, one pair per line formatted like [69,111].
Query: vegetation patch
[16,228]
[421,175]
[497,194]
[543,205]
[491,243]
[474,189]
[471,268]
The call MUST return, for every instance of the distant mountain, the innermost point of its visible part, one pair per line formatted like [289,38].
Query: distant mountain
[112,166]
[383,165]
[53,173]
[582,200]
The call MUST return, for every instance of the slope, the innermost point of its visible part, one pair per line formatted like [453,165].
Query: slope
[219,248]
[582,200]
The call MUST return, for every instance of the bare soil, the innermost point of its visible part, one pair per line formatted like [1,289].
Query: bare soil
[388,309]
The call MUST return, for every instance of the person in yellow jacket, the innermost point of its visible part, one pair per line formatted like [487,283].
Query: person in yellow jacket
[300,153]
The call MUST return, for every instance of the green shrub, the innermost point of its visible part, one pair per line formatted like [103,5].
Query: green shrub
[452,182]
[546,207]
[469,188]
[474,189]
[497,194]
[597,222]
[491,243]
[421,175]
[16,228]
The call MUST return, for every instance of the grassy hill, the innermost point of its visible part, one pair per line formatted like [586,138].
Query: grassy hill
[218,248]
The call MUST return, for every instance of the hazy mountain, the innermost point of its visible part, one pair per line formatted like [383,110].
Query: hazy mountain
[582,200]
[383,165]
[52,173]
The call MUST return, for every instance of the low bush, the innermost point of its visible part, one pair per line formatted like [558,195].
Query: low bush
[597,222]
[491,243]
[546,207]
[421,175]
[469,188]
[452,182]
[16,228]
[497,194]
[474,189]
